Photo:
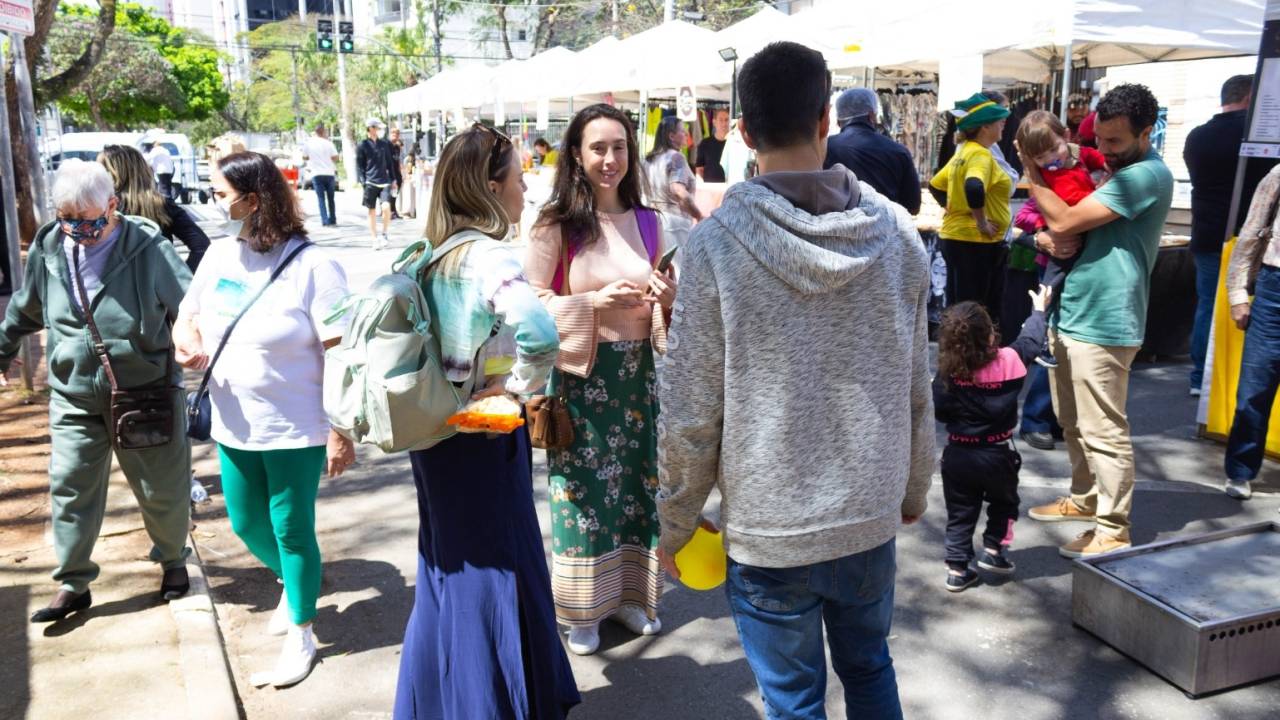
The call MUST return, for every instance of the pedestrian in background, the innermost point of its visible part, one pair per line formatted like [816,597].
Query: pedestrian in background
[273,436]
[161,163]
[1255,259]
[137,193]
[94,261]
[712,147]
[877,160]
[975,190]
[378,172]
[592,257]
[671,182]
[798,384]
[975,395]
[397,155]
[482,641]
[1212,152]
[322,161]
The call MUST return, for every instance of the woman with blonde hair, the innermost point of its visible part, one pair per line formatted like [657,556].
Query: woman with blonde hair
[482,640]
[137,193]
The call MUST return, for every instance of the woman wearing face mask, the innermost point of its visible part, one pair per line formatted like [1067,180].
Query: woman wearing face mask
[592,258]
[482,640]
[94,261]
[671,181]
[273,438]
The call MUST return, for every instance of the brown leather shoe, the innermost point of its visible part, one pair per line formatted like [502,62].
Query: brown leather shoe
[1091,543]
[1060,510]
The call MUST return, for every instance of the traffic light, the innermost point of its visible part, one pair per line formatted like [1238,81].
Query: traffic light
[346,43]
[324,35]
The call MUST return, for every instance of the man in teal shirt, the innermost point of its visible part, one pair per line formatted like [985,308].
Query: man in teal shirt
[1103,313]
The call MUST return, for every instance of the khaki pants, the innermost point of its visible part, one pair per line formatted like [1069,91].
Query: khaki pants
[1090,389]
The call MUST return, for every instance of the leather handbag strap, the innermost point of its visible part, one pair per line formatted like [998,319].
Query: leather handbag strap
[99,347]
[208,373]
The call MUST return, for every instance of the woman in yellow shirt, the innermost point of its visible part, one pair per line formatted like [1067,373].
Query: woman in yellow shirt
[975,192]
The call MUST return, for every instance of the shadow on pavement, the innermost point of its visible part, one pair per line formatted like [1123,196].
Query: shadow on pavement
[75,621]
[15,661]
[661,686]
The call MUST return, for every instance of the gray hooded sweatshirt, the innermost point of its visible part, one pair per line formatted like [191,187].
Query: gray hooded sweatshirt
[797,372]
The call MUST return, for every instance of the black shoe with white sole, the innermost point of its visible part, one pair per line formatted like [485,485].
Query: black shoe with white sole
[996,563]
[956,583]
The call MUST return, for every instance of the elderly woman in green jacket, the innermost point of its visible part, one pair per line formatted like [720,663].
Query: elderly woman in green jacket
[132,281]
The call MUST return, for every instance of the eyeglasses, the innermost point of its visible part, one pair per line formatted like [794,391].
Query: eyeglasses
[78,229]
[495,153]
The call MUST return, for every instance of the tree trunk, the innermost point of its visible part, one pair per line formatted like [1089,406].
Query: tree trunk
[501,10]
[45,11]
[50,89]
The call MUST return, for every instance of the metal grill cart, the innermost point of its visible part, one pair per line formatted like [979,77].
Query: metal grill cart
[1203,612]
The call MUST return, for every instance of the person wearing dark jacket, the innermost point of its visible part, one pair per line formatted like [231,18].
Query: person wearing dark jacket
[378,171]
[878,161]
[975,394]
[1211,153]
[131,177]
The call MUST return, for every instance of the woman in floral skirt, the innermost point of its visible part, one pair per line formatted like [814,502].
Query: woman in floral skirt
[591,258]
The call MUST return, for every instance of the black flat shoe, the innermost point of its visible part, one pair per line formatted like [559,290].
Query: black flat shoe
[175,584]
[54,613]
[1038,440]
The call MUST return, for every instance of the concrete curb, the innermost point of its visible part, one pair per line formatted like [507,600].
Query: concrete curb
[210,689]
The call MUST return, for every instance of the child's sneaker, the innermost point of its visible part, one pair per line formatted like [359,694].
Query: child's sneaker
[1046,359]
[996,562]
[958,579]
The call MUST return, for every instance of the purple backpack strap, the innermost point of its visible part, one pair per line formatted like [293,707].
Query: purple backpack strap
[647,220]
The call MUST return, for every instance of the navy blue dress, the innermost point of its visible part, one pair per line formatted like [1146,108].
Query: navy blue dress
[482,641]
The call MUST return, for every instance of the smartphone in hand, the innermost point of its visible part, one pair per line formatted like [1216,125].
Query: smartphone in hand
[665,262]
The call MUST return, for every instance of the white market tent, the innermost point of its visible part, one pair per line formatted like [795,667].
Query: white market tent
[1017,40]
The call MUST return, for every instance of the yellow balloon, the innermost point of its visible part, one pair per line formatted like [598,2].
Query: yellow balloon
[702,561]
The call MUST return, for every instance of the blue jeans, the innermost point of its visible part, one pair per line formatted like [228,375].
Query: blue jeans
[780,612]
[1207,266]
[325,186]
[1037,406]
[1259,378]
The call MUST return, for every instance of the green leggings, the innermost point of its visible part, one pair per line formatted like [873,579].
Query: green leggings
[271,500]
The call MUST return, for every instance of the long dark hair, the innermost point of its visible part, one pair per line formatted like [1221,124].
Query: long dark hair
[662,140]
[278,216]
[964,341]
[573,201]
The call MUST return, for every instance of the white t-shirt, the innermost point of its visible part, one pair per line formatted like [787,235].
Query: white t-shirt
[160,160]
[320,153]
[266,389]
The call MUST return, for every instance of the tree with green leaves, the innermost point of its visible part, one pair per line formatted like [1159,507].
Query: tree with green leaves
[178,75]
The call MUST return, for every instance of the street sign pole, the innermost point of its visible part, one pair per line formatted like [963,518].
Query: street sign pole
[344,112]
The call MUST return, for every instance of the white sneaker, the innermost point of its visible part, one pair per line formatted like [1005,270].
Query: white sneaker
[386,241]
[294,664]
[280,620]
[634,619]
[1238,489]
[584,640]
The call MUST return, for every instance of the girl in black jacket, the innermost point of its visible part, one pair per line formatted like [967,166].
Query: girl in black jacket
[136,190]
[975,393]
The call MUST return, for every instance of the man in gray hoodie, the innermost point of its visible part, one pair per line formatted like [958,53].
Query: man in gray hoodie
[797,381]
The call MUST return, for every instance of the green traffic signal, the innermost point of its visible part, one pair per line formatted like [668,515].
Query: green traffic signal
[325,44]
[347,46]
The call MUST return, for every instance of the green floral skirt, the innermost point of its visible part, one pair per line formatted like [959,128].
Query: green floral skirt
[604,520]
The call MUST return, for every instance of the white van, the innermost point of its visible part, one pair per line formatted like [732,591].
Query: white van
[85,145]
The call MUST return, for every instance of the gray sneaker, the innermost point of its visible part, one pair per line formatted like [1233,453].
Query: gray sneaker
[1238,489]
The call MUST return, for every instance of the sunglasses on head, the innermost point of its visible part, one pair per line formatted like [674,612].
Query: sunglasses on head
[499,137]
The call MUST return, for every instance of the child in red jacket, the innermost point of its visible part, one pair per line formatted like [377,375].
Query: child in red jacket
[1071,171]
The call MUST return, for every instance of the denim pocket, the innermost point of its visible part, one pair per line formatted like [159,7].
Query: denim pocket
[878,569]
[774,590]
